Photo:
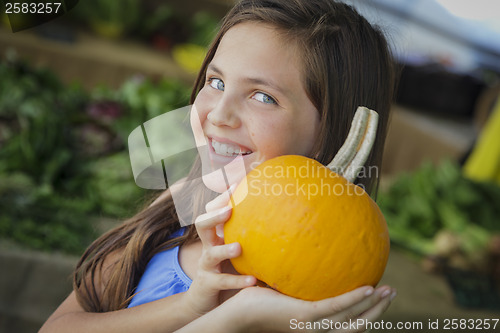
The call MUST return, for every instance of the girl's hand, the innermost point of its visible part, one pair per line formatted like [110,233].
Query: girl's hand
[204,293]
[263,310]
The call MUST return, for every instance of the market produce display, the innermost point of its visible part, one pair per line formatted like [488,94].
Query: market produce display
[452,224]
[63,159]
[437,207]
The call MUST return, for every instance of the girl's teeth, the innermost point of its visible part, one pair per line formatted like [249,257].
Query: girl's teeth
[227,150]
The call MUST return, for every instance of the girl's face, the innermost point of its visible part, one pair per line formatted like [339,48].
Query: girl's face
[253,106]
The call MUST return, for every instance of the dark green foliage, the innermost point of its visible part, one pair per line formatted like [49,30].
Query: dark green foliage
[433,198]
[63,156]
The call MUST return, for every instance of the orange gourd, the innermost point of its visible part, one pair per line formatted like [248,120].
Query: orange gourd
[306,231]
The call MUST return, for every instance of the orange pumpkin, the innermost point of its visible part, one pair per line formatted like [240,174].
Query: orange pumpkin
[305,230]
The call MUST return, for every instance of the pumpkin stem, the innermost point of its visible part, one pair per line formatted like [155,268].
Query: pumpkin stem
[354,152]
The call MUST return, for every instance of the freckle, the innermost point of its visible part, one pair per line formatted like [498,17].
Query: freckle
[252,134]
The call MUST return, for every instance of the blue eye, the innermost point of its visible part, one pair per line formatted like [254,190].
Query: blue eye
[217,84]
[264,98]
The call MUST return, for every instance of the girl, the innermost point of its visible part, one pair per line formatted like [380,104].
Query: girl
[281,77]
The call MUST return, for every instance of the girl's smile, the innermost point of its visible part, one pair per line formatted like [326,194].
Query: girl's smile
[225,148]
[254,104]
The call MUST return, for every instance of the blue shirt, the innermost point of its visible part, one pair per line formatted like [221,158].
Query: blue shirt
[163,277]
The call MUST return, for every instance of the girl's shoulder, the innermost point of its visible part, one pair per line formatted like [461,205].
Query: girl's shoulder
[162,277]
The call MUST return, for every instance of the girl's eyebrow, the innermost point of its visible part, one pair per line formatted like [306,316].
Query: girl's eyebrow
[254,80]
[214,68]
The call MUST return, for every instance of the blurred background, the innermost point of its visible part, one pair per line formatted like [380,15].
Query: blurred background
[73,89]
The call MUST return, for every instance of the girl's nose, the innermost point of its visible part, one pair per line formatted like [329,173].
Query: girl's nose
[225,113]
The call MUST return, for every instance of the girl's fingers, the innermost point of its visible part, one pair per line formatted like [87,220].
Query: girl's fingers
[221,200]
[360,306]
[365,304]
[229,281]
[212,218]
[361,322]
[206,225]
[212,257]
[333,306]
[374,313]
[210,274]
[210,224]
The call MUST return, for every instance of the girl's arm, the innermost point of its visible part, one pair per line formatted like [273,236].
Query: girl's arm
[256,309]
[164,315]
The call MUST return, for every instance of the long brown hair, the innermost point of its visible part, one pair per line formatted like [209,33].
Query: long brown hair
[346,63]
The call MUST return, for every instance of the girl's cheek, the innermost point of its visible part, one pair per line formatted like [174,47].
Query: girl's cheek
[196,120]
[204,102]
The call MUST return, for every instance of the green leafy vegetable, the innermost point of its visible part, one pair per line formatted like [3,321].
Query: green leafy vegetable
[433,198]
[63,157]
